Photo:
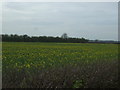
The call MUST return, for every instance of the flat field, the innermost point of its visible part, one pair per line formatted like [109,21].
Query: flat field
[59,65]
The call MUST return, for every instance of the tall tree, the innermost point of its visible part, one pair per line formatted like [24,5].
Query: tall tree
[64,36]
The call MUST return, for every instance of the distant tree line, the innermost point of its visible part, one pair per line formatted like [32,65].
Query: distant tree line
[26,38]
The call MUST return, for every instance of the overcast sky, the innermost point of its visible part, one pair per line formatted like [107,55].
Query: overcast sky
[81,19]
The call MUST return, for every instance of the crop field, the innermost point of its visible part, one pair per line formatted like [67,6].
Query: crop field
[59,65]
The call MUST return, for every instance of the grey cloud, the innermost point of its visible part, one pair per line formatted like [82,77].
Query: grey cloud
[89,20]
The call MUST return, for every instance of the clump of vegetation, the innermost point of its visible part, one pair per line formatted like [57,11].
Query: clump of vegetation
[60,65]
[26,38]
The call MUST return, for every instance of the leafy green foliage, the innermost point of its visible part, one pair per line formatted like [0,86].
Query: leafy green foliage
[78,84]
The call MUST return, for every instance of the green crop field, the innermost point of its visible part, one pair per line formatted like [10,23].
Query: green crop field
[59,65]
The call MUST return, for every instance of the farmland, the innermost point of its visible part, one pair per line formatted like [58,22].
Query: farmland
[59,65]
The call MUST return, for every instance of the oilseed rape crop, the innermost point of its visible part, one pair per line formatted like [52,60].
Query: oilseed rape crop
[25,60]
